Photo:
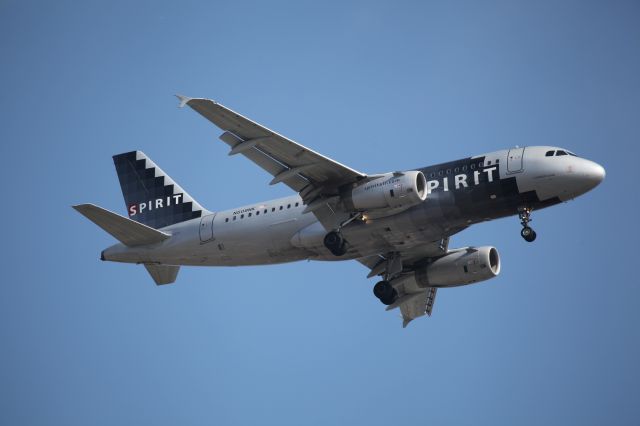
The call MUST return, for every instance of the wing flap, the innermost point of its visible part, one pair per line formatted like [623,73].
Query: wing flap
[264,161]
[413,301]
[419,305]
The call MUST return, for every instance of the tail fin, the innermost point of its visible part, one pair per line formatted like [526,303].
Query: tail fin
[152,197]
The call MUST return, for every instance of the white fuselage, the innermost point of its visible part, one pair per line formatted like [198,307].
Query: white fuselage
[279,231]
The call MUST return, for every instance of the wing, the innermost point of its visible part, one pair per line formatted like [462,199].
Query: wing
[315,177]
[413,302]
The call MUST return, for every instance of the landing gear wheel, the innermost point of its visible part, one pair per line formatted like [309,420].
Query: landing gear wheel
[384,291]
[528,234]
[525,217]
[335,242]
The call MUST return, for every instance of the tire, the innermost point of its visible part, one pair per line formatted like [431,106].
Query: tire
[528,234]
[333,240]
[339,251]
[382,290]
[391,298]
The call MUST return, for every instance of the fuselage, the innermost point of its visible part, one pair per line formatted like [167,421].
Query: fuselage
[459,194]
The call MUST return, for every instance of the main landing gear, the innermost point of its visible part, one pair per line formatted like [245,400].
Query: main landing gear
[384,291]
[335,241]
[525,217]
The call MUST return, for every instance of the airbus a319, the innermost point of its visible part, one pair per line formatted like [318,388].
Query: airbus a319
[397,224]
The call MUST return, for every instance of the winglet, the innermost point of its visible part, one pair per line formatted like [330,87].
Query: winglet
[183,100]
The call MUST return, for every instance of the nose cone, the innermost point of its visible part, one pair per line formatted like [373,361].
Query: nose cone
[593,173]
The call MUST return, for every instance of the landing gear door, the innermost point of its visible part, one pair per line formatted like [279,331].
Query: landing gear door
[515,162]
[206,228]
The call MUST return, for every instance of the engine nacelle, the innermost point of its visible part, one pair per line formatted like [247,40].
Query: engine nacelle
[399,190]
[460,267]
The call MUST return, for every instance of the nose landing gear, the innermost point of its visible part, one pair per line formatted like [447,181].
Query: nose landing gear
[527,232]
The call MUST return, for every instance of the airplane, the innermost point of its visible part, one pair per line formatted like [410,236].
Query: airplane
[397,224]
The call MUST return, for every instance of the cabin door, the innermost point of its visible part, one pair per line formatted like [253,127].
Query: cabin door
[515,163]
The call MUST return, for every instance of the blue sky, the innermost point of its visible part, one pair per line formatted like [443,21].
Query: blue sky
[378,86]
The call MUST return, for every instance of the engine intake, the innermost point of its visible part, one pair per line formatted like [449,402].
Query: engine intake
[399,190]
[460,267]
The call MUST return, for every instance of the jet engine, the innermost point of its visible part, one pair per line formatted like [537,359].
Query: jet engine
[399,190]
[460,267]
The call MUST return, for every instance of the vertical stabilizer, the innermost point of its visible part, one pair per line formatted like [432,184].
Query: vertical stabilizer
[151,196]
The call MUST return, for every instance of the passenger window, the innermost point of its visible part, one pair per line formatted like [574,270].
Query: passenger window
[549,154]
[241,216]
[489,163]
[561,152]
[273,209]
[464,168]
[226,220]
[265,211]
[457,169]
[234,218]
[448,171]
[258,213]
[280,207]
[288,206]
[440,173]
[297,204]
[249,214]
[473,166]
[432,174]
[497,160]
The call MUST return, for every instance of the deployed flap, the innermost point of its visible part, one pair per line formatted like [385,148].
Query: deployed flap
[415,305]
[127,231]
[162,274]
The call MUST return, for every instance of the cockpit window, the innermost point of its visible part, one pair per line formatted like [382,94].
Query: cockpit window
[571,153]
[549,153]
[561,152]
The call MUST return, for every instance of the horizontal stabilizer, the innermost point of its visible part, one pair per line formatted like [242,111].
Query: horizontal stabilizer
[127,231]
[162,274]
